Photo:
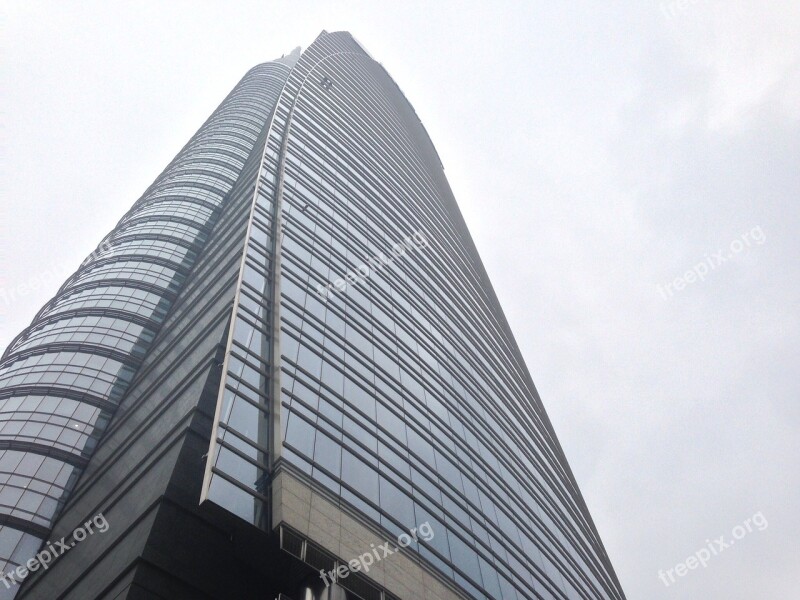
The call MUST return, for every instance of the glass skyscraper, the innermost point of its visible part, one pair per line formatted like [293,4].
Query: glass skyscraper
[286,354]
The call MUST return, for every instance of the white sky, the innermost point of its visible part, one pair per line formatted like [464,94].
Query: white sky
[597,150]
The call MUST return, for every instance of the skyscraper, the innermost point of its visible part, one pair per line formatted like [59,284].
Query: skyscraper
[286,371]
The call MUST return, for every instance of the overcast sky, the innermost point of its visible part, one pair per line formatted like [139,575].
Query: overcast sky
[597,150]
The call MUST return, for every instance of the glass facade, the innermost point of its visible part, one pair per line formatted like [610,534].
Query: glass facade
[369,354]
[366,353]
[62,378]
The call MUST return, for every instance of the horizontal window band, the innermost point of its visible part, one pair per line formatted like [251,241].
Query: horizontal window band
[228,446]
[262,407]
[238,484]
[247,386]
[57,392]
[43,450]
[79,347]
[40,531]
